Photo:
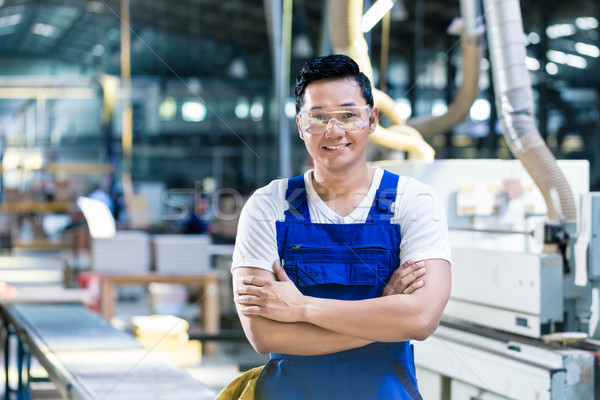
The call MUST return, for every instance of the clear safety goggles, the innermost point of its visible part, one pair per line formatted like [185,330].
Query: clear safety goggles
[317,122]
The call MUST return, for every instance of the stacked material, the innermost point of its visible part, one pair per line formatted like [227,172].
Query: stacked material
[128,252]
[168,336]
[181,254]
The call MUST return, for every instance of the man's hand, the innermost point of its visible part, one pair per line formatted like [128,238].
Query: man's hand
[406,279]
[277,300]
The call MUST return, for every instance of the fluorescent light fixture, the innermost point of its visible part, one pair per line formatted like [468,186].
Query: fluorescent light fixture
[533,38]
[290,108]
[98,50]
[567,59]
[557,56]
[587,49]
[94,7]
[375,13]
[439,107]
[45,30]
[551,68]
[167,110]
[302,47]
[256,110]
[586,23]
[193,111]
[10,20]
[480,110]
[237,68]
[532,64]
[403,108]
[242,108]
[576,61]
[560,30]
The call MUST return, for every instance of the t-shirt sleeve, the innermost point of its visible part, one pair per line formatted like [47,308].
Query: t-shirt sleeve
[256,239]
[422,221]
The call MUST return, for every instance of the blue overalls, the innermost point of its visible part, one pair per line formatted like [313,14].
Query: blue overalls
[346,262]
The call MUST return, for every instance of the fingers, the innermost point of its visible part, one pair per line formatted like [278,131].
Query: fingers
[280,272]
[408,271]
[252,280]
[406,279]
[414,286]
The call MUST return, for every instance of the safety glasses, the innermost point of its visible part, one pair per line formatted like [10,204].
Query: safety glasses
[317,122]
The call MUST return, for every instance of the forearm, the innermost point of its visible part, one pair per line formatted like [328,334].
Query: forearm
[298,338]
[390,318]
[385,319]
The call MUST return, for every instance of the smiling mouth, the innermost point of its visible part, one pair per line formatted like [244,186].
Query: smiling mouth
[341,146]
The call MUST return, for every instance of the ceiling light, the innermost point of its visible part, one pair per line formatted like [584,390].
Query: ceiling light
[94,6]
[9,20]
[242,108]
[557,56]
[45,30]
[532,64]
[290,108]
[237,68]
[167,110]
[586,23]
[375,13]
[302,47]
[403,108]
[551,68]
[439,107]
[560,30]
[568,59]
[98,50]
[399,11]
[533,38]
[193,111]
[587,49]
[256,110]
[480,110]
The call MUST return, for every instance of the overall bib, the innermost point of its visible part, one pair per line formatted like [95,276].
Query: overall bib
[346,262]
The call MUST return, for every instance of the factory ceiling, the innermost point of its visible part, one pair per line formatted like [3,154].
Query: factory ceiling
[202,37]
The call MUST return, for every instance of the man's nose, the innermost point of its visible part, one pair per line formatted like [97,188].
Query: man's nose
[333,128]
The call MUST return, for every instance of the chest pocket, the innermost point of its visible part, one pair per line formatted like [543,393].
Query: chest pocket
[345,274]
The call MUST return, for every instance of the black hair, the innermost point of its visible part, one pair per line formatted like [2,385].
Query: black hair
[331,66]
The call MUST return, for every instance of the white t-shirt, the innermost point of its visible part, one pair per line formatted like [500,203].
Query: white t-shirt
[417,209]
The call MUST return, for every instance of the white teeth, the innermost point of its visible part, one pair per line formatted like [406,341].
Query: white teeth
[335,147]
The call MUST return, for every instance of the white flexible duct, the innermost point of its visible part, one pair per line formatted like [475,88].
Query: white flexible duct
[469,88]
[344,21]
[514,103]
[347,38]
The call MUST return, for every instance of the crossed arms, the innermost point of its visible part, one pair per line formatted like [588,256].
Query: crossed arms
[277,317]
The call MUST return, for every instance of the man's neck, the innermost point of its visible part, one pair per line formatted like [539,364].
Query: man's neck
[331,185]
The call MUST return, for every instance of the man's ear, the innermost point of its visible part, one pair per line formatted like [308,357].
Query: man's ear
[373,118]
[299,130]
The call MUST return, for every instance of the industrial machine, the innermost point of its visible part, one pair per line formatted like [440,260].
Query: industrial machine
[522,320]
[515,280]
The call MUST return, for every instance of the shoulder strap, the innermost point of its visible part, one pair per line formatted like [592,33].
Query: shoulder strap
[381,210]
[296,196]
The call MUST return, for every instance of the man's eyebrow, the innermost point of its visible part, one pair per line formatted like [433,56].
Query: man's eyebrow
[316,108]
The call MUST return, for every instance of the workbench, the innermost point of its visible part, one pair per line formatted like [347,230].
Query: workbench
[87,358]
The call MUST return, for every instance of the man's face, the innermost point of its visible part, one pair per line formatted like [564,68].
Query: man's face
[337,148]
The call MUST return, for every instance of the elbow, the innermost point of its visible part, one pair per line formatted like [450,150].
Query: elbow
[259,347]
[426,325]
[260,343]
[262,336]
[425,329]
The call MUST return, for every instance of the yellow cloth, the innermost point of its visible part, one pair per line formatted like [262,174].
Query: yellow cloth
[242,387]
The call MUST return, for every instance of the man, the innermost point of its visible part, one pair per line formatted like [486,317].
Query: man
[317,281]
